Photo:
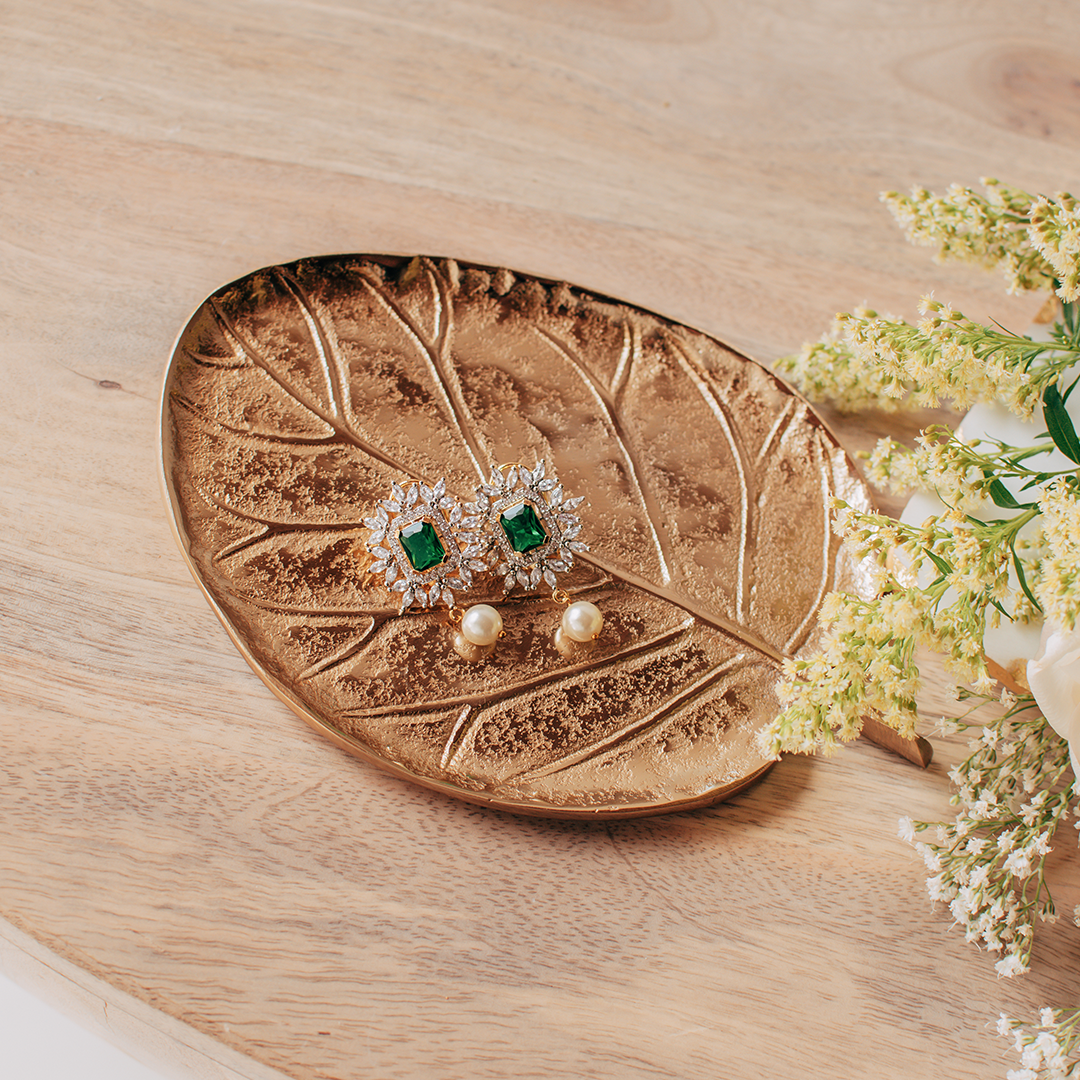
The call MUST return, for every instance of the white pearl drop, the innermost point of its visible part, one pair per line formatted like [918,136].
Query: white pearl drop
[582,621]
[481,625]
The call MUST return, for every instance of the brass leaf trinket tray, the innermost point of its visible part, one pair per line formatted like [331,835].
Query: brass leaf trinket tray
[298,401]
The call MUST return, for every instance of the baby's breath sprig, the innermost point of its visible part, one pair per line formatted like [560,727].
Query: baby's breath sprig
[989,864]
[1049,1050]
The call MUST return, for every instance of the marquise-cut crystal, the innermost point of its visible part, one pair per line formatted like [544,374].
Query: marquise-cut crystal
[522,527]
[422,545]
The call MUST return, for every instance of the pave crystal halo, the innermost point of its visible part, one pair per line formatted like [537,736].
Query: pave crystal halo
[531,525]
[421,546]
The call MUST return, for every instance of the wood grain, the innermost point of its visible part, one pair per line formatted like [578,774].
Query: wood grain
[170,829]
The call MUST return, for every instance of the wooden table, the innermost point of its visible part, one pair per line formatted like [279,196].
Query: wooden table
[184,862]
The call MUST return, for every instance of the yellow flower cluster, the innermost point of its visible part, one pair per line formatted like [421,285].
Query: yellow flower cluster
[1055,233]
[992,231]
[869,359]
[872,360]
[1058,587]
[867,660]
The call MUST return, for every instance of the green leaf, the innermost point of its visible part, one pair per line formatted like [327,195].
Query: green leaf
[1072,322]
[1059,423]
[1003,497]
[938,561]
[1038,478]
[1018,566]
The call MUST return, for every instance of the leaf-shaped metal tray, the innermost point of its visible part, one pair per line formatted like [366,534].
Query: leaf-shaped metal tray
[297,395]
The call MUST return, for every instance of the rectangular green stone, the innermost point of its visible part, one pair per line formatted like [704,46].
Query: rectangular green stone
[522,527]
[422,545]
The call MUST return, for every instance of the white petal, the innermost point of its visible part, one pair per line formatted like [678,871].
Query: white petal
[380,553]
[569,504]
[396,492]
[374,523]
[549,576]
[377,567]
[523,578]
[391,574]
[439,490]
[571,531]
[455,514]
[401,585]
[412,496]
[577,545]
[548,484]
[1054,678]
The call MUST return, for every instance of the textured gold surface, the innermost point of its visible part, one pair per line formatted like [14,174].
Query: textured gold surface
[298,394]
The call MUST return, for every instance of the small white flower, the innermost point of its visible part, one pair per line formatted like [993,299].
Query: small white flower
[1010,965]
[906,830]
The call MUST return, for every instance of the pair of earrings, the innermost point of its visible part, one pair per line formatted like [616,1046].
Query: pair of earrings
[520,525]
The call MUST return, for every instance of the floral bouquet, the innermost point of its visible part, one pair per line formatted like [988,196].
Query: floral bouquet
[999,546]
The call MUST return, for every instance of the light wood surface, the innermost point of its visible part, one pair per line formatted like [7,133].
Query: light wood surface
[176,845]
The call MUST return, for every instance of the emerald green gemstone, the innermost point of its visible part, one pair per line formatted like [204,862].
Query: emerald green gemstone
[422,545]
[522,527]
